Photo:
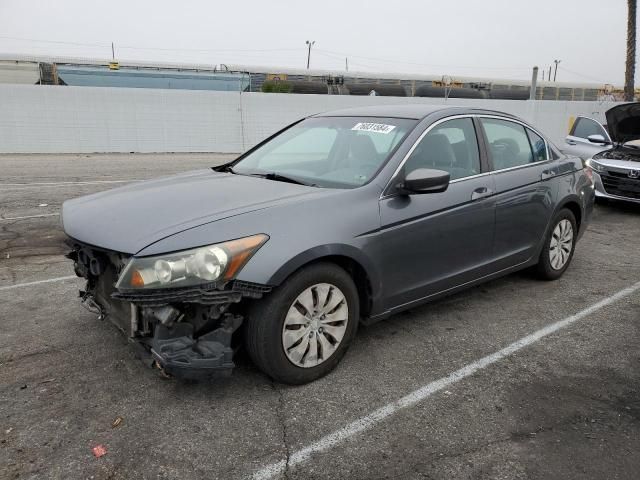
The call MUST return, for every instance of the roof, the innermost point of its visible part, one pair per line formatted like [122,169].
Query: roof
[415,111]
[526,82]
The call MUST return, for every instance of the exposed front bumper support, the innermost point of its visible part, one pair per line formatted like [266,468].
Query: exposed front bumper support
[182,356]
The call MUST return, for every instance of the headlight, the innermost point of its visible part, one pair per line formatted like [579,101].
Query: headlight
[595,166]
[212,263]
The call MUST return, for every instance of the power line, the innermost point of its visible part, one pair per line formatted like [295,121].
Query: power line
[449,67]
[56,42]
[326,53]
[168,49]
[341,55]
[593,79]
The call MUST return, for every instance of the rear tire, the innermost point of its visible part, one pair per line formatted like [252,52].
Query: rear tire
[559,245]
[288,341]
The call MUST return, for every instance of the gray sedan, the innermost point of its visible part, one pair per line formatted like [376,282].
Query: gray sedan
[339,219]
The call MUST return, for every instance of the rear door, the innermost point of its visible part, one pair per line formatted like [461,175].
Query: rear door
[526,188]
[431,242]
[577,142]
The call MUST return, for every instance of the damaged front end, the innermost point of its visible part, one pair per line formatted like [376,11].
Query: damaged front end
[187,331]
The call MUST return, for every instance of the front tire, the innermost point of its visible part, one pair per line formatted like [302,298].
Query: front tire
[302,329]
[559,245]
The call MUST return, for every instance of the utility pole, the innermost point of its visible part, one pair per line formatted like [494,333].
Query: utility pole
[534,81]
[310,44]
[555,72]
[346,64]
[113,52]
[549,76]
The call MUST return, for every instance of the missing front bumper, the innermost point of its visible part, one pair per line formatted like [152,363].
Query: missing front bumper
[181,355]
[186,331]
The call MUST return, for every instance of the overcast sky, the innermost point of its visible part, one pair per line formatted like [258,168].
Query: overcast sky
[489,38]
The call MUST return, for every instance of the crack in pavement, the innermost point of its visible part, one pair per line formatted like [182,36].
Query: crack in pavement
[283,423]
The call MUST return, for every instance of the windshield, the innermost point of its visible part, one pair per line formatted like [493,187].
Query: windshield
[340,152]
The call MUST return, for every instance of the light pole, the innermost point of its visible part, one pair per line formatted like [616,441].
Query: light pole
[310,44]
[555,72]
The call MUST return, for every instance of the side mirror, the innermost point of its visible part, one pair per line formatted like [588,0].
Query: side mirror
[597,139]
[424,180]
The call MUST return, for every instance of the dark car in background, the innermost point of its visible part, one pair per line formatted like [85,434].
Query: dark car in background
[616,170]
[341,218]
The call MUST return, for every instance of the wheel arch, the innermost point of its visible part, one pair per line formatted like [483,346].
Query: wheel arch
[351,259]
[572,204]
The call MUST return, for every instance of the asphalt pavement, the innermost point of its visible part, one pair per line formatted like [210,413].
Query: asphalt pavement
[425,394]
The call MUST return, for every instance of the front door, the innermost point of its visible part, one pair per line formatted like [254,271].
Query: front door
[434,241]
[578,143]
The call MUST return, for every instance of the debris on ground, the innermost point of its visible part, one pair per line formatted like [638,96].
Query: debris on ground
[99,451]
[116,422]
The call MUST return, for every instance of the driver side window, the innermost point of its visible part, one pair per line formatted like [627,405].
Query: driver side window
[583,127]
[451,146]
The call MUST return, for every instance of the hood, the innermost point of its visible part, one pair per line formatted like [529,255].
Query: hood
[129,218]
[623,122]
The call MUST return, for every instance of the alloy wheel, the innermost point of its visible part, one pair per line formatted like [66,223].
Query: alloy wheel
[315,325]
[561,244]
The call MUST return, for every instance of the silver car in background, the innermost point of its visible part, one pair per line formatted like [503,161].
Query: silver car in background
[586,138]
[616,170]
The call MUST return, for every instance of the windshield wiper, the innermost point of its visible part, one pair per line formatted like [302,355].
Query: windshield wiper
[281,178]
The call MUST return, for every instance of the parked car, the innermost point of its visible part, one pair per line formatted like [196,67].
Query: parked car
[586,138]
[341,218]
[616,171]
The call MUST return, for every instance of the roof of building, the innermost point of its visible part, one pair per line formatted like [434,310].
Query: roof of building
[392,76]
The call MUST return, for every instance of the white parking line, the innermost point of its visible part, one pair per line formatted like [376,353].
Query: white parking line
[37,282]
[369,421]
[31,216]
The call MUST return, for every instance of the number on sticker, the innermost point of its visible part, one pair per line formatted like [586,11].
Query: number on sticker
[373,127]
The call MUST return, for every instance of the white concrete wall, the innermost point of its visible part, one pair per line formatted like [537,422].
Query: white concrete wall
[56,119]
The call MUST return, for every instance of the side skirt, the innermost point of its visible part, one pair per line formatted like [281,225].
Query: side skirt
[445,293]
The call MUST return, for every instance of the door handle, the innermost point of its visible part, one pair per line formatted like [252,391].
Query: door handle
[546,174]
[481,192]
[570,142]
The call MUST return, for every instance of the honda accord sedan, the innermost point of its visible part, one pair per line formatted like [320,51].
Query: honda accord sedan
[340,219]
[616,170]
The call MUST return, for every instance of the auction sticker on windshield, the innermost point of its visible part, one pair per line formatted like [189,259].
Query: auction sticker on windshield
[373,127]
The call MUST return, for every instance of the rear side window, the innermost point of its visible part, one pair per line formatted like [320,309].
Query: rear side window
[451,146]
[508,143]
[538,146]
[583,127]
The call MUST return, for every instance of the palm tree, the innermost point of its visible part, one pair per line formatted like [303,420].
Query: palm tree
[630,73]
